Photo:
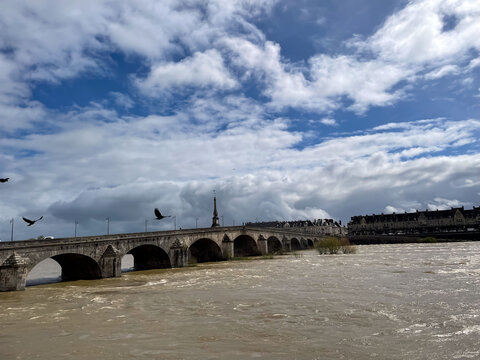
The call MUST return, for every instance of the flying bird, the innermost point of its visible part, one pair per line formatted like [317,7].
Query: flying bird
[159,215]
[31,222]
[2,180]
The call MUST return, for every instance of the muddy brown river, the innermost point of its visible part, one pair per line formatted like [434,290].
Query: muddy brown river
[405,301]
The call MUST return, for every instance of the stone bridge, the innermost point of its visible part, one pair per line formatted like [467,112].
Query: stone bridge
[96,257]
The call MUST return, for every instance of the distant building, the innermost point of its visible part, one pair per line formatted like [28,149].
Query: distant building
[322,227]
[453,220]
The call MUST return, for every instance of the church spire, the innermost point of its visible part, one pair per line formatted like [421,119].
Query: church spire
[215,213]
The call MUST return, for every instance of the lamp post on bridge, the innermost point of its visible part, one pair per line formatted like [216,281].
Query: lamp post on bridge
[11,233]
[108,225]
[174,222]
[76,223]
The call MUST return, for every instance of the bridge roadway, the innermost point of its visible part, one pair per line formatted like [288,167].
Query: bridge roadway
[96,257]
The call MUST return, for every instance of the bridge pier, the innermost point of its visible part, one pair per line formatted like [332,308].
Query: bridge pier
[262,245]
[228,247]
[13,273]
[111,263]
[178,254]
[287,244]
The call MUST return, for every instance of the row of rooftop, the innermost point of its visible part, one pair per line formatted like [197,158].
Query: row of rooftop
[413,216]
[296,223]
[454,219]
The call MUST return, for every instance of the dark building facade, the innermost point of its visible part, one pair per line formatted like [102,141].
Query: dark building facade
[452,220]
[323,227]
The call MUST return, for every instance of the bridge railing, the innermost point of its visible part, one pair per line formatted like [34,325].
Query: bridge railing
[110,237]
[18,244]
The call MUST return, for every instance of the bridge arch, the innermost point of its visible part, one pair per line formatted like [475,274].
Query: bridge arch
[309,243]
[295,244]
[149,257]
[274,245]
[245,245]
[43,272]
[204,250]
[78,267]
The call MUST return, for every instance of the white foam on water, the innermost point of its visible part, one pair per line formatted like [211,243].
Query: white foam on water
[415,328]
[388,315]
[154,283]
[469,330]
[467,355]
[98,300]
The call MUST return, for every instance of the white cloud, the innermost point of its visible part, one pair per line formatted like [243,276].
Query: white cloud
[410,42]
[367,83]
[60,40]
[443,71]
[200,70]
[21,116]
[391,209]
[285,88]
[329,122]
[10,88]
[445,204]
[474,63]
[17,111]
[414,34]
[122,100]
[52,44]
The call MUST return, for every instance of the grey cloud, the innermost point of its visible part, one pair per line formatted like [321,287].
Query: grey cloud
[265,196]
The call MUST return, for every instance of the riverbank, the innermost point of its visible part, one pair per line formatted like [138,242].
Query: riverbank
[414,238]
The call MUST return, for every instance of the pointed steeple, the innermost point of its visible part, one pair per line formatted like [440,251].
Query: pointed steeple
[215,222]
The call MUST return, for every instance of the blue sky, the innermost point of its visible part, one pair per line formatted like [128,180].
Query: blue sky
[289,110]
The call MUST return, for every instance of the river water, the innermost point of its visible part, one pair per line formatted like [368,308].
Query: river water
[404,301]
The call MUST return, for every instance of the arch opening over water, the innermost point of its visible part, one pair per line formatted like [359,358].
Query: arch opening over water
[310,243]
[149,257]
[244,245]
[127,263]
[78,267]
[45,272]
[274,245]
[204,250]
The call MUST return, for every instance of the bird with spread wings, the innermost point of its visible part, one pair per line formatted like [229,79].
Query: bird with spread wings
[31,222]
[159,215]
